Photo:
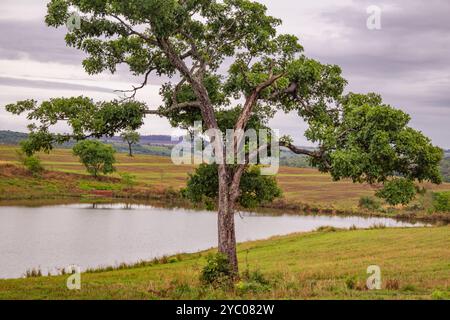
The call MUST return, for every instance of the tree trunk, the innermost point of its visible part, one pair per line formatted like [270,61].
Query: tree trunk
[226,227]
[130,151]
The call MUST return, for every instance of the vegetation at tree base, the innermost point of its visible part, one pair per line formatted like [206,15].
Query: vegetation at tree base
[98,158]
[128,180]
[358,136]
[255,189]
[217,270]
[130,137]
[445,169]
[31,163]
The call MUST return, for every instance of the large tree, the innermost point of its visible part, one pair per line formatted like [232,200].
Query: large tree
[222,54]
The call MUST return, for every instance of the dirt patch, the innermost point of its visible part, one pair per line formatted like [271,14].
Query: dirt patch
[12,171]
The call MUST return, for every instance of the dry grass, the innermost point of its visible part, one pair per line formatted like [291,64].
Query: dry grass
[306,186]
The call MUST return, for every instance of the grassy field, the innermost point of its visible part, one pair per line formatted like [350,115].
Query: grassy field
[415,264]
[158,173]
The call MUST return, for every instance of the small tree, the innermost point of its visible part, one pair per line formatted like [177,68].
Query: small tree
[131,137]
[97,157]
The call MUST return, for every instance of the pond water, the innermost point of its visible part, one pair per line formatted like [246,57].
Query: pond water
[88,235]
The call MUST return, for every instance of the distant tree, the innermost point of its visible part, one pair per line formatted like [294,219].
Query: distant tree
[131,137]
[31,162]
[97,157]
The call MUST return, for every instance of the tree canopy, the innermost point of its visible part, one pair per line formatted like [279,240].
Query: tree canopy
[98,158]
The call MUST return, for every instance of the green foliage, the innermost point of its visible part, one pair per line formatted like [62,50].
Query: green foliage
[372,142]
[398,191]
[96,157]
[358,136]
[252,282]
[441,201]
[217,270]
[83,115]
[255,188]
[351,282]
[33,164]
[369,203]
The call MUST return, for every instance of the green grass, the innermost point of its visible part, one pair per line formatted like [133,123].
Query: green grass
[415,264]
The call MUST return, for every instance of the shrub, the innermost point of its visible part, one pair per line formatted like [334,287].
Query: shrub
[255,188]
[252,281]
[441,201]
[398,191]
[369,203]
[31,162]
[217,270]
[128,180]
[97,157]
[440,295]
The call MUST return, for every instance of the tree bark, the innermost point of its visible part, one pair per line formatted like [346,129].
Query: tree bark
[226,225]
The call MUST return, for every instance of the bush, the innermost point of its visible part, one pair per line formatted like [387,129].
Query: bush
[351,282]
[97,157]
[217,270]
[369,203]
[398,191]
[128,180]
[33,164]
[441,201]
[256,189]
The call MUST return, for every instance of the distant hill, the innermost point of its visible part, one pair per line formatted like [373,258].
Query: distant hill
[11,137]
[161,145]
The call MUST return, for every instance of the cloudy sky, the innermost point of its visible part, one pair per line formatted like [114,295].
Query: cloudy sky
[407,60]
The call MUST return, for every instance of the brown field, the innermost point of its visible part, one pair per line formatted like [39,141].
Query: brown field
[298,185]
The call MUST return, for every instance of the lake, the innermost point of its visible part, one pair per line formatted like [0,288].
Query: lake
[89,235]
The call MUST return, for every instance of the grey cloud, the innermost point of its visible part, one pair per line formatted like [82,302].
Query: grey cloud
[42,84]
[37,41]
